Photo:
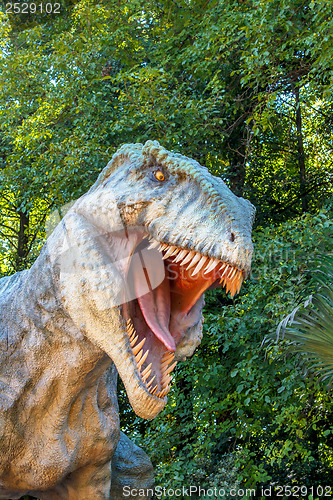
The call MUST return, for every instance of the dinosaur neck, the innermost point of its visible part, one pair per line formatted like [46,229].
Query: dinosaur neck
[40,329]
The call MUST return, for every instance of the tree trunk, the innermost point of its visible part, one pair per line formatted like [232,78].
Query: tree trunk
[236,170]
[23,241]
[300,149]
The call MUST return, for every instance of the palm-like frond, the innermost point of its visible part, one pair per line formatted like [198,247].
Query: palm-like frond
[310,327]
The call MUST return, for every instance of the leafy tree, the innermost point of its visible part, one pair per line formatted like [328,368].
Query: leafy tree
[196,75]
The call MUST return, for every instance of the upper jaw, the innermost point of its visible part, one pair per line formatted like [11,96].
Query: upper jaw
[195,265]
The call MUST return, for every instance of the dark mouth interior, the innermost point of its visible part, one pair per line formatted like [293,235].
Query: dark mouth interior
[162,310]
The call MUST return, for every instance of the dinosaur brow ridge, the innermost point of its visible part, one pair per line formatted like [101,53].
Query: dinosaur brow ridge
[175,163]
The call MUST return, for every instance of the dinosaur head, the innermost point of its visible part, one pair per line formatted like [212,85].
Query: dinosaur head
[160,230]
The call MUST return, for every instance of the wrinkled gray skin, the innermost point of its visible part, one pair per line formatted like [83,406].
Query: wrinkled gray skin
[63,335]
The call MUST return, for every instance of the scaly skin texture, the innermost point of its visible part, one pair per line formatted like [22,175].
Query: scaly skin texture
[112,291]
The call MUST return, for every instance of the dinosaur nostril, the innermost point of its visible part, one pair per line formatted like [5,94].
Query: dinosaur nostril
[232,236]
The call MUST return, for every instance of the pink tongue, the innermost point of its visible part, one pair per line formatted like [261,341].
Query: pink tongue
[156,307]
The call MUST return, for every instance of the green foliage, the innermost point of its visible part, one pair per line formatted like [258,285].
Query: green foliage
[311,327]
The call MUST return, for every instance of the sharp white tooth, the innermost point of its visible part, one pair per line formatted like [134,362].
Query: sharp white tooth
[235,276]
[146,375]
[150,381]
[188,258]
[138,356]
[169,252]
[146,370]
[166,380]
[211,266]
[175,252]
[199,265]
[133,340]
[163,393]
[181,255]
[169,370]
[232,274]
[195,259]
[168,355]
[154,244]
[225,271]
[143,359]
[165,364]
[138,347]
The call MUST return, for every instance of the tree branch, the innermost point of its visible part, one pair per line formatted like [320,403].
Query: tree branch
[10,203]
[6,237]
[9,228]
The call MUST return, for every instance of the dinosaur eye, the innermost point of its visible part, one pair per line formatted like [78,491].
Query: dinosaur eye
[159,176]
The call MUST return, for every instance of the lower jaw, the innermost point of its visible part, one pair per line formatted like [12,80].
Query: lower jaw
[145,405]
[143,340]
[159,363]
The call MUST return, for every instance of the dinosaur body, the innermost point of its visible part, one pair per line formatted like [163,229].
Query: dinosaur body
[59,408]
[118,287]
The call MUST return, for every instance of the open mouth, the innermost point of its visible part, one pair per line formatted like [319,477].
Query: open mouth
[162,310]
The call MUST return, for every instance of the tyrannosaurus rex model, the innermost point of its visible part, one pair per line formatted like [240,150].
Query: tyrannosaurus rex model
[118,287]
